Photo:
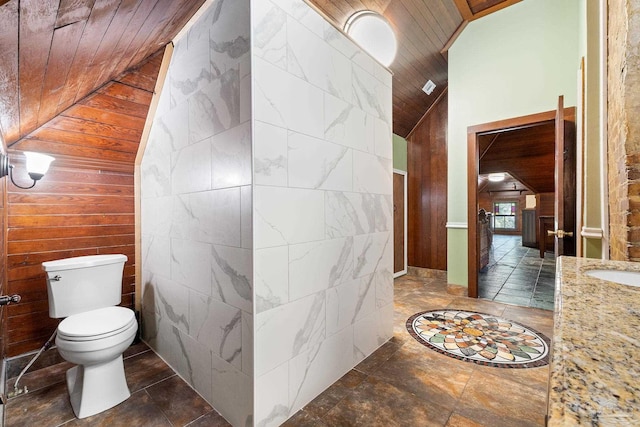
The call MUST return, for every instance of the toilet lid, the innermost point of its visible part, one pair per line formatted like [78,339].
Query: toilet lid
[96,323]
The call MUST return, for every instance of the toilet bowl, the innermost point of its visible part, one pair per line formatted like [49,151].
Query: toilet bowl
[94,341]
[86,291]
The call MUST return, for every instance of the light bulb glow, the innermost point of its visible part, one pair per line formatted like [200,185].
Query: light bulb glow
[496,177]
[37,163]
[374,34]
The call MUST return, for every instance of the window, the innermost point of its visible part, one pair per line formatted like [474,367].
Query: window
[504,215]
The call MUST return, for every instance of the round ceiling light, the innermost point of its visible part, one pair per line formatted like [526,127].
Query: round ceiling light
[496,177]
[374,34]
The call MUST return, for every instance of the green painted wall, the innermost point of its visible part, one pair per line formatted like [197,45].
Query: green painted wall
[511,63]
[399,153]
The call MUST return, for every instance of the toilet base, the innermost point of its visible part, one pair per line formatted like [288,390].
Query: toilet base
[96,388]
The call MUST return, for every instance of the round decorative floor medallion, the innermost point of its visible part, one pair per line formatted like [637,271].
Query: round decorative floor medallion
[480,338]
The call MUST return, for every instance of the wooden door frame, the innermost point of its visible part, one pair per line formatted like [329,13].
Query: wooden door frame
[405,221]
[473,167]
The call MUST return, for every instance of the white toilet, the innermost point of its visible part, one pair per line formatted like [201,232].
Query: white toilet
[86,290]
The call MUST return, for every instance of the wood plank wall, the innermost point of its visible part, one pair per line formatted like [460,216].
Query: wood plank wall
[427,189]
[85,203]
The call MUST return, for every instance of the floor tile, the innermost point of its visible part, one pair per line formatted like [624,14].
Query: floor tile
[145,369]
[179,402]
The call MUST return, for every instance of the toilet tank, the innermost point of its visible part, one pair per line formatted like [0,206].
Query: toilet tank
[80,284]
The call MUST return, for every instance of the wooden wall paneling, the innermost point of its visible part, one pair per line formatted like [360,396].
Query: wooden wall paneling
[83,206]
[9,104]
[71,11]
[427,189]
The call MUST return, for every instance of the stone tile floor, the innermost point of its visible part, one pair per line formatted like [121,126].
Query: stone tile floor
[517,275]
[403,383]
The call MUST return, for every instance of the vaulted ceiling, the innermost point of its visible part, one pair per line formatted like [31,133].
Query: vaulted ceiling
[53,53]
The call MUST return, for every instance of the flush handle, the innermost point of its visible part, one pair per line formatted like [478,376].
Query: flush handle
[8,299]
[56,278]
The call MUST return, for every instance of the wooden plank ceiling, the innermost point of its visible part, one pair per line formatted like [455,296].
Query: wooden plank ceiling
[425,29]
[525,154]
[53,53]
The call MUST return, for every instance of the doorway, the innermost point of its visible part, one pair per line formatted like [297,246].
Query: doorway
[532,150]
[399,223]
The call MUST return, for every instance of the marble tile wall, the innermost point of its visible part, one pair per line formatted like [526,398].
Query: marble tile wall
[196,178]
[322,211]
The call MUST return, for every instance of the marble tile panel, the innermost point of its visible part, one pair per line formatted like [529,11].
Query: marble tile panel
[177,401]
[156,255]
[304,14]
[192,360]
[210,216]
[245,89]
[350,302]
[314,163]
[382,138]
[270,33]
[247,343]
[287,216]
[348,48]
[372,174]
[216,106]
[349,214]
[167,300]
[229,33]
[383,75]
[190,70]
[348,125]
[384,212]
[372,252]
[270,154]
[316,369]
[384,287]
[231,269]
[232,393]
[272,277]
[372,331]
[217,326]
[307,54]
[231,157]
[278,339]
[191,264]
[318,266]
[191,169]
[272,406]
[287,101]
[155,171]
[246,217]
[156,216]
[371,95]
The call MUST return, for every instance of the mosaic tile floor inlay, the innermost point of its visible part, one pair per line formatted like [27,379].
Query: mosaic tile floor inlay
[480,338]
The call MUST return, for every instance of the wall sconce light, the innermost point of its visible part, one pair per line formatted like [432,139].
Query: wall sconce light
[37,166]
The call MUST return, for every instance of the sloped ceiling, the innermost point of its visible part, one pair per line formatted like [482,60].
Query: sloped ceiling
[53,53]
[425,29]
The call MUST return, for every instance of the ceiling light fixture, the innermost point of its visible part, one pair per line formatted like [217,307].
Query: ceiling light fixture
[374,34]
[37,166]
[496,177]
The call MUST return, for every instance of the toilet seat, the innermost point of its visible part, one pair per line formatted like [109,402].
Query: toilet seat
[96,324]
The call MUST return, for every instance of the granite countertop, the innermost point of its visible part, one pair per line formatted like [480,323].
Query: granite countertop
[595,360]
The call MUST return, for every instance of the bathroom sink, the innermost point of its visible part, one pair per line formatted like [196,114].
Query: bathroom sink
[631,278]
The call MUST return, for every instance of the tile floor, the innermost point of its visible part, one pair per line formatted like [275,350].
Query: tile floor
[517,275]
[402,384]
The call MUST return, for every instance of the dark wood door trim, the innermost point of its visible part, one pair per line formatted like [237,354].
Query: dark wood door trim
[473,166]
